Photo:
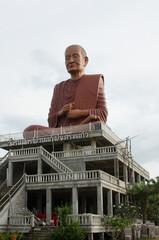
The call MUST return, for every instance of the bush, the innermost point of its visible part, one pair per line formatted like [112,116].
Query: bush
[11,236]
[130,212]
[114,225]
[70,232]
[67,231]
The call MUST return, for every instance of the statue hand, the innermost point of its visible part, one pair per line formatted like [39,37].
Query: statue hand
[90,118]
[66,108]
[76,113]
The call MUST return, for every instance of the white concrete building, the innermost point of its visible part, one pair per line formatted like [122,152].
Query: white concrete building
[86,165]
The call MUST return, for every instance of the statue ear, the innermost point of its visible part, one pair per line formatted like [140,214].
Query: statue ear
[86,61]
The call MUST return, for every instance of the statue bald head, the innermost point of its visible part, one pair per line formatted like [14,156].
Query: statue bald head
[83,52]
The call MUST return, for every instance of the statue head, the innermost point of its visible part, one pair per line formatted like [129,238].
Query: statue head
[75,60]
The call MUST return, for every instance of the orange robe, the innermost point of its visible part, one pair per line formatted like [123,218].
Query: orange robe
[87,93]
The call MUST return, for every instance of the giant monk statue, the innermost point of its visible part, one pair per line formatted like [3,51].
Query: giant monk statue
[78,100]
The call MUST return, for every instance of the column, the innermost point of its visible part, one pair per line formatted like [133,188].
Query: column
[100,200]
[117,198]
[39,168]
[10,174]
[132,176]
[48,204]
[110,202]
[74,201]
[101,236]
[138,178]
[125,173]
[90,236]
[93,143]
[66,146]
[115,167]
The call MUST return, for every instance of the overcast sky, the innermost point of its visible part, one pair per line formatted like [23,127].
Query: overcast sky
[121,38]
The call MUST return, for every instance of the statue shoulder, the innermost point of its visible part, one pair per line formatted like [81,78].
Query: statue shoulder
[61,84]
[94,77]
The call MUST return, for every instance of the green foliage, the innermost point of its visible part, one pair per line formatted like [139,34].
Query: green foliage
[11,236]
[114,225]
[126,211]
[145,195]
[67,231]
[62,212]
[70,232]
[153,209]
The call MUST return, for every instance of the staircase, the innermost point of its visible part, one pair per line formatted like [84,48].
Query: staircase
[39,233]
[54,162]
[44,154]
[4,189]
[7,192]
[4,160]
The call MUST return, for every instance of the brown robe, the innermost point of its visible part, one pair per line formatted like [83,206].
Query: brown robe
[87,93]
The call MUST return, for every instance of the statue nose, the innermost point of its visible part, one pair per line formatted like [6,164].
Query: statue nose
[71,59]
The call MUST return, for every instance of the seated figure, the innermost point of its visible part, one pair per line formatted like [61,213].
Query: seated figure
[78,100]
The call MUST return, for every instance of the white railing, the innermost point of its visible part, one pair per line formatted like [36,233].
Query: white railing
[56,177]
[21,220]
[74,176]
[50,132]
[84,152]
[3,184]
[11,192]
[3,159]
[86,219]
[25,152]
[57,163]
[37,151]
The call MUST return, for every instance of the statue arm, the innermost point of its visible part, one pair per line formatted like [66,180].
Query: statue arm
[57,110]
[100,111]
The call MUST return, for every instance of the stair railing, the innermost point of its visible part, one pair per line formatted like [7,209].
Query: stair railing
[3,159]
[57,163]
[3,184]
[5,199]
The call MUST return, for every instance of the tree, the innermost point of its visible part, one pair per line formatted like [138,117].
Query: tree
[114,225]
[153,205]
[130,212]
[67,231]
[141,194]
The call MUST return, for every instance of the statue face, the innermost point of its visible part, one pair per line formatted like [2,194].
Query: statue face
[74,60]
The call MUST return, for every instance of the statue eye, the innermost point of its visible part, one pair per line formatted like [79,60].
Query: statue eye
[76,56]
[67,57]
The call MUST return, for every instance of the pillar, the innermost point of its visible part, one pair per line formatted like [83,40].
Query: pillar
[90,236]
[101,236]
[110,202]
[93,143]
[116,168]
[66,146]
[125,173]
[48,204]
[100,200]
[10,174]
[74,201]
[132,176]
[117,198]
[39,168]
[138,178]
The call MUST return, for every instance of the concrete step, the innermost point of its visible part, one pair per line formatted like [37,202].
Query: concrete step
[39,234]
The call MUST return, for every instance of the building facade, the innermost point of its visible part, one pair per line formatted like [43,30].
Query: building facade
[85,165]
